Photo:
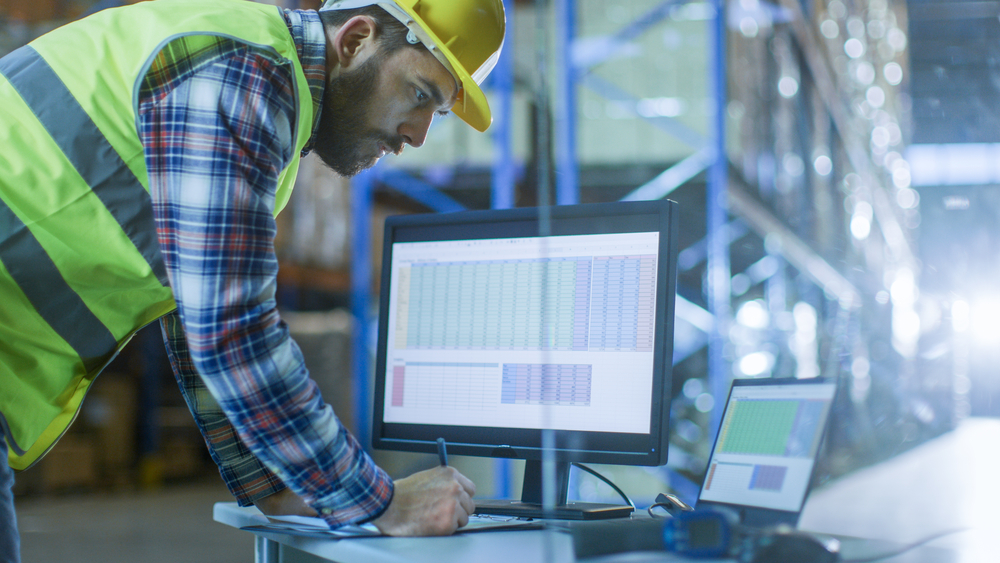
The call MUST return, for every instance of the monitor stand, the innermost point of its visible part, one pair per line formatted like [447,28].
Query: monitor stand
[530,505]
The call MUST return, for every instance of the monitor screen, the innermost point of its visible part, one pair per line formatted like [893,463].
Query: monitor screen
[767,444]
[490,332]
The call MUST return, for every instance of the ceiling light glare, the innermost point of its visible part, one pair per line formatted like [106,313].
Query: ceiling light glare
[860,367]
[788,86]
[984,321]
[864,73]
[829,29]
[901,179]
[823,165]
[692,388]
[756,363]
[897,38]
[880,137]
[792,163]
[907,198]
[704,403]
[960,316]
[864,209]
[876,29]
[854,48]
[893,73]
[875,96]
[836,9]
[861,227]
[856,27]
[753,314]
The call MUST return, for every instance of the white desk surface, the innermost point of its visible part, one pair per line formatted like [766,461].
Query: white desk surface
[951,482]
[481,547]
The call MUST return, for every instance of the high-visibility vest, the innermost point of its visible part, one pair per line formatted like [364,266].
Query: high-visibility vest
[80,265]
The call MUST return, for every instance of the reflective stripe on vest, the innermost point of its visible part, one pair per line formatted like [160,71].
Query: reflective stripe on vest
[80,267]
[89,151]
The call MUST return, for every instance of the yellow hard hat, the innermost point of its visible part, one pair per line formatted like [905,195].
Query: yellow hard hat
[466,36]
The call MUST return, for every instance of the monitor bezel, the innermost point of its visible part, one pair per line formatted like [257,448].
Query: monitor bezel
[519,443]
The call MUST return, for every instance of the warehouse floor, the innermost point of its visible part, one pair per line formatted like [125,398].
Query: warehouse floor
[174,524]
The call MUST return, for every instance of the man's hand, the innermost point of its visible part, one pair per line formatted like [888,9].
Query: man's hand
[284,503]
[435,502]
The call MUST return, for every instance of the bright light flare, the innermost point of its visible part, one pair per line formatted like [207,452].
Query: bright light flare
[984,321]
[753,314]
[756,363]
[788,86]
[854,48]
[893,73]
[960,316]
[861,227]
[861,220]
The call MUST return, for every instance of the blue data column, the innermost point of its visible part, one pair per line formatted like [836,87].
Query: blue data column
[581,311]
[598,304]
[628,301]
[508,385]
[645,318]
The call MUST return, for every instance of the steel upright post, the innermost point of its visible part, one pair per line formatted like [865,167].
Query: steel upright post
[718,242]
[361,287]
[567,184]
[503,169]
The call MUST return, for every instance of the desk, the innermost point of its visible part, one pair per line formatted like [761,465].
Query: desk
[481,547]
[950,482]
[521,546]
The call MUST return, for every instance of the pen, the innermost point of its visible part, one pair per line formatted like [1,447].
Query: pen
[442,452]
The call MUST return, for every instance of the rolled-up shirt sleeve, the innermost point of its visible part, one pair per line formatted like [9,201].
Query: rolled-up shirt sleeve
[246,477]
[215,145]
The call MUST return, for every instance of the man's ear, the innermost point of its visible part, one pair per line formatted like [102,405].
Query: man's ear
[354,41]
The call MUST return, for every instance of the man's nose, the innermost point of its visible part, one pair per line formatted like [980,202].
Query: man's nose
[414,130]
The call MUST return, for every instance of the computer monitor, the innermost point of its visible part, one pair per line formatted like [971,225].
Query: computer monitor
[490,333]
[765,453]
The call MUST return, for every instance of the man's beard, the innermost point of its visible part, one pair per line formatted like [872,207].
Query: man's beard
[344,141]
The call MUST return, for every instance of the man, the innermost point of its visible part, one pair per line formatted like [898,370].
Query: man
[146,151]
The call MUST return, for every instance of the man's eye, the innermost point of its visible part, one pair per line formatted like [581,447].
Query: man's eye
[422,97]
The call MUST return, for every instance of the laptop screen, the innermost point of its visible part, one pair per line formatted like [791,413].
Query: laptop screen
[767,444]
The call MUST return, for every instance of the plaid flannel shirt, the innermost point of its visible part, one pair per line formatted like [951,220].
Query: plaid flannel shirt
[217,128]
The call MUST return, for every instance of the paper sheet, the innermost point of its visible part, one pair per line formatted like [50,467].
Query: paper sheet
[313,527]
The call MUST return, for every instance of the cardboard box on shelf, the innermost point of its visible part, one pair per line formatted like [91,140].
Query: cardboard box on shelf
[71,465]
[109,414]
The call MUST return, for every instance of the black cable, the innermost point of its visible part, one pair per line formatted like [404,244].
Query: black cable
[906,548]
[605,479]
[662,505]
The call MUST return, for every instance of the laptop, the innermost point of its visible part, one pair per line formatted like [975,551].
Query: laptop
[765,452]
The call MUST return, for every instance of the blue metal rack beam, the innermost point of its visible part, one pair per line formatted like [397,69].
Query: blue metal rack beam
[504,178]
[504,170]
[567,182]
[719,271]
[417,189]
[361,287]
[675,176]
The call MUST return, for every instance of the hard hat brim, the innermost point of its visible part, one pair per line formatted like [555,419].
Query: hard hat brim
[472,106]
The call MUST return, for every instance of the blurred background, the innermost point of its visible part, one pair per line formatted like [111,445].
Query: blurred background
[836,164]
